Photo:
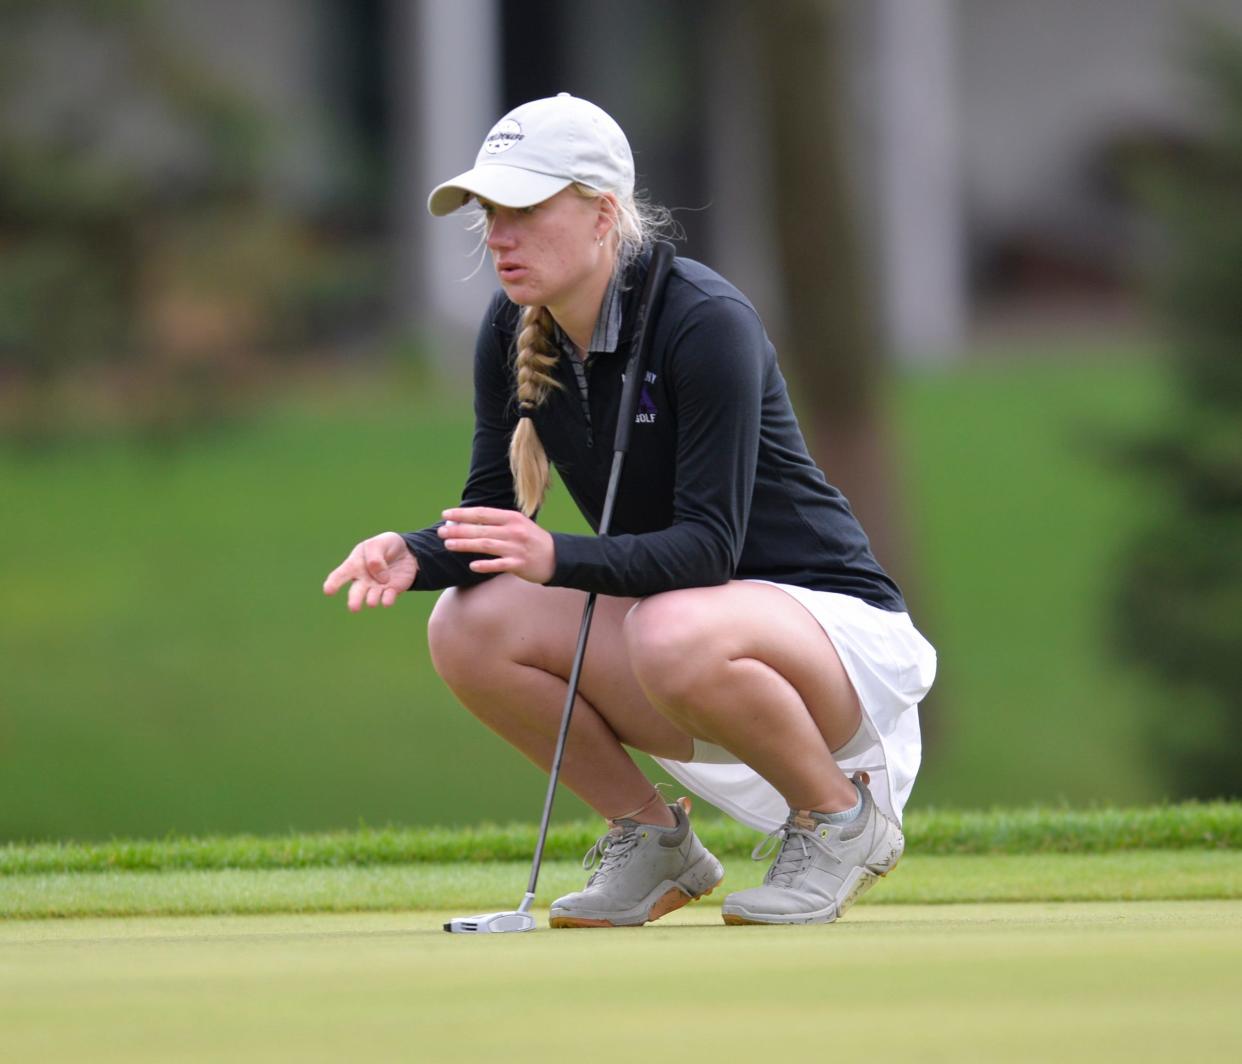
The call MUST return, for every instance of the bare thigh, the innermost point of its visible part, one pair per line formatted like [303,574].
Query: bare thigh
[679,638]
[507,619]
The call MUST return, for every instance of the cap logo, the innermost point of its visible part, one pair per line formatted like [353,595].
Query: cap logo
[506,134]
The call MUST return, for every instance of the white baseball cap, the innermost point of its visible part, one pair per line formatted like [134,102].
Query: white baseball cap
[538,149]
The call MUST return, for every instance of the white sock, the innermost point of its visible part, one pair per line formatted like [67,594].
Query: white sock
[845,816]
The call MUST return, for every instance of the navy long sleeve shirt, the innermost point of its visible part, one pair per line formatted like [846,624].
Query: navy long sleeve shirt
[717,483]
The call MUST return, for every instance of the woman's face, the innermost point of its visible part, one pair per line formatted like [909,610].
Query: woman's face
[544,253]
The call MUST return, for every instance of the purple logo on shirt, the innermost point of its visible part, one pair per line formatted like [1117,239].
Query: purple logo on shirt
[646,405]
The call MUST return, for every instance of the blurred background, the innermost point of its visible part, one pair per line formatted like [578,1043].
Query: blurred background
[997,243]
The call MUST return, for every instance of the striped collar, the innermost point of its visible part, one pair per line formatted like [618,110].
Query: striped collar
[607,334]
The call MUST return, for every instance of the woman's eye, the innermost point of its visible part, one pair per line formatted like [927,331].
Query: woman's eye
[530,210]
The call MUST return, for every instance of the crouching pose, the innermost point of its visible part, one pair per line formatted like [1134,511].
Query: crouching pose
[744,635]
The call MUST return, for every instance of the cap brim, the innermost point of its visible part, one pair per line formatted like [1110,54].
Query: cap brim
[509,186]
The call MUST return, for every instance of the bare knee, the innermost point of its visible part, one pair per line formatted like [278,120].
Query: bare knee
[463,621]
[673,640]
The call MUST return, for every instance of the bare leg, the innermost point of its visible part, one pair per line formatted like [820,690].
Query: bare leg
[746,666]
[506,647]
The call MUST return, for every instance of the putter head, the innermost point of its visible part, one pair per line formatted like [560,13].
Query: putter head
[486,923]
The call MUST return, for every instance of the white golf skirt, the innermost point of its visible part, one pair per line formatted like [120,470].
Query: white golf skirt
[891,667]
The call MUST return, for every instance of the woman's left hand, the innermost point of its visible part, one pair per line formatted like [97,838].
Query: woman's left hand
[520,546]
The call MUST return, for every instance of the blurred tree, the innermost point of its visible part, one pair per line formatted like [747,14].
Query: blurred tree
[1179,607]
[832,332]
[139,244]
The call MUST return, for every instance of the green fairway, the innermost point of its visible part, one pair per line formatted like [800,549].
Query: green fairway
[1185,826]
[1192,850]
[1019,513]
[1142,875]
[1114,951]
[171,666]
[1038,982]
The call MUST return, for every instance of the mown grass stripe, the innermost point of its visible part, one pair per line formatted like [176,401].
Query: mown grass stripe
[471,887]
[1187,826]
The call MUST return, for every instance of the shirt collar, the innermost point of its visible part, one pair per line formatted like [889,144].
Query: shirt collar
[606,336]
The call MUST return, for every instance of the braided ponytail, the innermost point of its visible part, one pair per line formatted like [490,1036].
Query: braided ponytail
[535,359]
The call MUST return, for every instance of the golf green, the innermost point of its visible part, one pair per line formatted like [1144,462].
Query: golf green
[1096,981]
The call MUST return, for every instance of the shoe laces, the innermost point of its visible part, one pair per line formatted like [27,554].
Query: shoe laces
[797,848]
[611,850]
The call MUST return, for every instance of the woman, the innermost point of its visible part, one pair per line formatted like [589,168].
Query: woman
[744,635]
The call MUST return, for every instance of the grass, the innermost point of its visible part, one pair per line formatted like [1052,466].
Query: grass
[213,687]
[1019,514]
[1191,825]
[1175,852]
[170,666]
[1095,982]
[1135,876]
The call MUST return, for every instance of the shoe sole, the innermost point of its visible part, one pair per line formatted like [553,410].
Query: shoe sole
[670,901]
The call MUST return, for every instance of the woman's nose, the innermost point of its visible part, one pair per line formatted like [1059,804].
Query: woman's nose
[498,235]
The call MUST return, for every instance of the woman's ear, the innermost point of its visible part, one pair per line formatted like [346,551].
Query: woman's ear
[606,215]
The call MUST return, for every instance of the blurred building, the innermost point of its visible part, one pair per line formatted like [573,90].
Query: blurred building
[989,136]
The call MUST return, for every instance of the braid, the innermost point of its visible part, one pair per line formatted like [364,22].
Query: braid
[536,358]
[534,362]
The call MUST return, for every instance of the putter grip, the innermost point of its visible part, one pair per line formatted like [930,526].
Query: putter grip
[657,271]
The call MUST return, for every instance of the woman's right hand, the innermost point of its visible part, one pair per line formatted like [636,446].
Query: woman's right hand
[380,568]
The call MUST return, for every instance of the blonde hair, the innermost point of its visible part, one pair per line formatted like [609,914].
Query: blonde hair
[637,223]
[534,360]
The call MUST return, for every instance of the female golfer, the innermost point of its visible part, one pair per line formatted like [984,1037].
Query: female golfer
[744,635]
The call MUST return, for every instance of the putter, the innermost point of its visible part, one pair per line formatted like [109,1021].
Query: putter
[520,919]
